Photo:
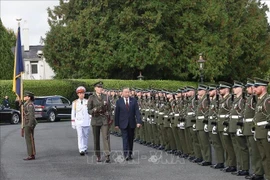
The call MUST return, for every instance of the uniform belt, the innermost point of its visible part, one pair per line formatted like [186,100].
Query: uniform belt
[200,117]
[171,114]
[248,120]
[211,117]
[235,117]
[223,116]
[161,113]
[166,116]
[190,113]
[156,111]
[152,110]
[176,115]
[263,123]
[147,109]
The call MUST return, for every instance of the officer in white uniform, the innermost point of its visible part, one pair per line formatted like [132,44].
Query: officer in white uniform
[80,120]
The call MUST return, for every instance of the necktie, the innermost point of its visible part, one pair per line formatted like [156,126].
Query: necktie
[81,102]
[127,103]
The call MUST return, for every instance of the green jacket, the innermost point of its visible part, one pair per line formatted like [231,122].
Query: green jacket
[99,109]
[249,113]
[201,113]
[262,117]
[190,112]
[223,112]
[29,115]
[236,113]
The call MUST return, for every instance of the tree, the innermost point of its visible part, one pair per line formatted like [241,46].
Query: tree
[163,39]
[7,41]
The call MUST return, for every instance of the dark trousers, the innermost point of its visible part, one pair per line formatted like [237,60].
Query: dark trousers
[128,137]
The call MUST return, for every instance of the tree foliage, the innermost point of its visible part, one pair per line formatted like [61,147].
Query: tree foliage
[7,41]
[162,39]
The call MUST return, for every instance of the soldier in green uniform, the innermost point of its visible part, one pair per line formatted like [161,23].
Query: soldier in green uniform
[202,133]
[212,127]
[222,126]
[29,124]
[256,163]
[168,119]
[179,115]
[191,126]
[262,123]
[160,120]
[99,107]
[238,139]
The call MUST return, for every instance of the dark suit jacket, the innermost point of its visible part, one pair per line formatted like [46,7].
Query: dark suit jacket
[124,116]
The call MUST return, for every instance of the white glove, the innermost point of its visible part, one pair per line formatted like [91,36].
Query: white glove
[73,127]
[239,132]
[205,128]
[214,130]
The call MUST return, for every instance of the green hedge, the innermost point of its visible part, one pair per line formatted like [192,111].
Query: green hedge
[67,87]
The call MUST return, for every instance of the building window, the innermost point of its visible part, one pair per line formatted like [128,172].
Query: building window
[34,68]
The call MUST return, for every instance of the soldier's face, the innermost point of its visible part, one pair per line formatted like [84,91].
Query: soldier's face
[26,98]
[258,90]
[212,93]
[98,90]
[237,90]
[250,90]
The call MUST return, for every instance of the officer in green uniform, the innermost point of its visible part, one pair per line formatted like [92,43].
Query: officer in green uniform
[212,127]
[29,124]
[222,126]
[191,126]
[143,130]
[99,107]
[202,133]
[236,131]
[256,163]
[154,116]
[262,123]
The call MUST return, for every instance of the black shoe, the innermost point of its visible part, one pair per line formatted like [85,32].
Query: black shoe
[229,169]
[107,160]
[85,152]
[127,158]
[184,156]
[204,163]
[255,177]
[197,160]
[218,166]
[243,173]
[191,158]
[82,153]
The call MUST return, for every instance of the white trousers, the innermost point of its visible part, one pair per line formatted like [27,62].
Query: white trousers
[82,133]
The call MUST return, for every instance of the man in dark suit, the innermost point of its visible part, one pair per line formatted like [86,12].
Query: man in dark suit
[127,118]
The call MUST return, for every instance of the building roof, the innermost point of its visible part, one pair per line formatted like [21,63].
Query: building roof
[32,53]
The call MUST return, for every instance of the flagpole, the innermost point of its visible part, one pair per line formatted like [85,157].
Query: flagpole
[21,85]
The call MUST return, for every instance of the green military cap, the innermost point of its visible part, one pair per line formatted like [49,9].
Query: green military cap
[250,82]
[28,93]
[260,82]
[212,87]
[237,84]
[223,84]
[202,87]
[98,84]
[190,88]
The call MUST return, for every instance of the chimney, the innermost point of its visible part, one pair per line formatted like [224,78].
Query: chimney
[26,36]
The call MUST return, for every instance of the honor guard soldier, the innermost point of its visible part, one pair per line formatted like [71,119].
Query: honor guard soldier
[99,109]
[80,120]
[248,123]
[202,130]
[225,103]
[236,130]
[262,123]
[190,126]
[29,124]
[212,127]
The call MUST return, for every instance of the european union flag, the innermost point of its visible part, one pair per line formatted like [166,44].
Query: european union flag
[18,67]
